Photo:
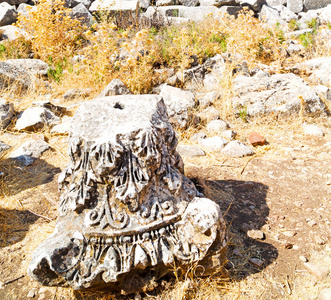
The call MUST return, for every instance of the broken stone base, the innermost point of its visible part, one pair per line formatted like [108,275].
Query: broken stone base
[128,215]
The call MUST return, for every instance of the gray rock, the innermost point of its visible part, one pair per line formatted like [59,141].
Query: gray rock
[230,10]
[320,272]
[179,104]
[81,13]
[124,193]
[324,294]
[3,148]
[207,99]
[189,2]
[285,13]
[306,17]
[114,6]
[270,15]
[115,87]
[310,129]
[209,114]
[228,134]
[8,14]
[315,4]
[6,113]
[86,3]
[215,143]
[164,2]
[11,33]
[35,118]
[237,149]
[191,13]
[295,5]
[275,2]
[321,70]
[217,126]
[190,151]
[76,93]
[324,91]
[16,79]
[29,152]
[279,94]
[294,49]
[62,128]
[33,66]
[57,110]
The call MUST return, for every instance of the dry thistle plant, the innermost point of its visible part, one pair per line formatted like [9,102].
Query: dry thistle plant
[55,35]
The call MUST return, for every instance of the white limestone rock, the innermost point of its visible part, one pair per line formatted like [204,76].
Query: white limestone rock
[33,66]
[190,151]
[29,152]
[314,130]
[215,143]
[115,87]
[279,94]
[237,149]
[8,14]
[217,126]
[17,79]
[11,33]
[179,104]
[35,118]
[81,13]
[295,6]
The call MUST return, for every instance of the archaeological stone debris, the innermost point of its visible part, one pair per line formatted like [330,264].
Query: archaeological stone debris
[128,215]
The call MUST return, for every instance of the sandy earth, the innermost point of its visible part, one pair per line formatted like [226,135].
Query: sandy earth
[284,191]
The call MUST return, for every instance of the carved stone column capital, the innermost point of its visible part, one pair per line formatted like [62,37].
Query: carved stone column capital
[127,210]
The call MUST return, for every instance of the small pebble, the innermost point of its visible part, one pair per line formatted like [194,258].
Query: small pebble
[312,223]
[256,261]
[289,233]
[303,258]
[256,234]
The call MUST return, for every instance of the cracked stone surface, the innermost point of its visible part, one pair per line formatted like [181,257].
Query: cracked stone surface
[127,212]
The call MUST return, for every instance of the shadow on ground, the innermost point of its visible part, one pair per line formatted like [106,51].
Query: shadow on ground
[243,204]
[17,177]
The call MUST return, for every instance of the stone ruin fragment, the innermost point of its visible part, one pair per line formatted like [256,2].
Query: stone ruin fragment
[127,215]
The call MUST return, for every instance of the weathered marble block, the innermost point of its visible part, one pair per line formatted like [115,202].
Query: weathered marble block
[127,213]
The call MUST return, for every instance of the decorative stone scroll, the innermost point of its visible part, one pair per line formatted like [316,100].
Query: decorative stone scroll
[127,213]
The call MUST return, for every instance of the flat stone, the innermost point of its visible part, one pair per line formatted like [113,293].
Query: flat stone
[29,152]
[11,33]
[256,261]
[228,134]
[190,151]
[6,113]
[237,149]
[215,143]
[256,234]
[35,118]
[179,104]
[279,94]
[320,272]
[33,66]
[125,195]
[217,126]
[256,139]
[76,93]
[17,79]
[314,130]
[63,127]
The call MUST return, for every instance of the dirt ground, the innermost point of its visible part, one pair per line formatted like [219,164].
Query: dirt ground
[284,190]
